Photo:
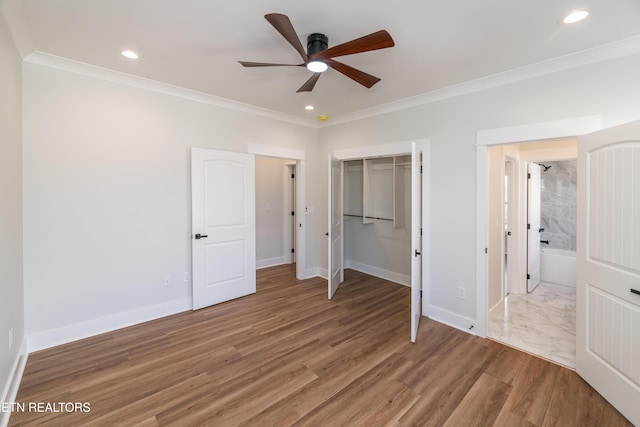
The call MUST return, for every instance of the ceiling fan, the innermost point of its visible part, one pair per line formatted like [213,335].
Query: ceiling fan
[319,57]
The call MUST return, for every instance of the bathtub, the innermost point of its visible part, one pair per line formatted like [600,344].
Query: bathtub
[558,266]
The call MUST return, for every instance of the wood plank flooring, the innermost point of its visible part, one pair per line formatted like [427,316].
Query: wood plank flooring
[287,356]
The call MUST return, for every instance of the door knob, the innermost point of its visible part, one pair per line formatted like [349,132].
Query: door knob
[200,236]
[417,253]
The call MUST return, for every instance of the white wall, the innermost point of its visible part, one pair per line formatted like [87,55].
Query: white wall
[11,283]
[270,233]
[608,88]
[106,197]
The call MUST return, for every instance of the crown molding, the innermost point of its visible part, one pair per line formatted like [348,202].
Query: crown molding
[606,52]
[65,64]
[601,53]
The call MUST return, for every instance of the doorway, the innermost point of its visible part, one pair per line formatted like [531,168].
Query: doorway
[393,158]
[221,258]
[532,311]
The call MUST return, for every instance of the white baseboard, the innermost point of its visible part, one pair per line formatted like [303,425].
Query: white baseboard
[498,306]
[10,389]
[316,272]
[89,328]
[454,320]
[392,276]
[269,262]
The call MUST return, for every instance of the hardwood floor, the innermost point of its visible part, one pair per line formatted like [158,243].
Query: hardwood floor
[288,356]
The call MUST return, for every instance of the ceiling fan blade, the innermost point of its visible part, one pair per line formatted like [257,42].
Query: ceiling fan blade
[374,41]
[284,26]
[361,77]
[267,64]
[309,84]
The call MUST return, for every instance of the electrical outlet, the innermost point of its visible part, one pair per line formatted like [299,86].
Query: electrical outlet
[462,293]
[10,338]
[167,280]
[187,277]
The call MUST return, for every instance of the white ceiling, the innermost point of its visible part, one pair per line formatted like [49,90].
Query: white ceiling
[196,44]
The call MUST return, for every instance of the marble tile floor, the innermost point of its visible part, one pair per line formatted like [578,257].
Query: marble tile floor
[542,323]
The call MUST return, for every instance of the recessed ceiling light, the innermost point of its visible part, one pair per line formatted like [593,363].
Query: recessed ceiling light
[309,107]
[130,54]
[575,16]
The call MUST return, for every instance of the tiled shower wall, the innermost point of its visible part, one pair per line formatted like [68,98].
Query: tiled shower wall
[558,204]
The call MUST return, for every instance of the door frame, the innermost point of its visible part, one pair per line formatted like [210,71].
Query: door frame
[400,149]
[566,128]
[511,243]
[289,222]
[299,156]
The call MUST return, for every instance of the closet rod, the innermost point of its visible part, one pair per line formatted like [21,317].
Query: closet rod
[368,217]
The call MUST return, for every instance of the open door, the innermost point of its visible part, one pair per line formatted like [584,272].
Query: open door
[608,266]
[416,239]
[336,270]
[223,226]
[533,227]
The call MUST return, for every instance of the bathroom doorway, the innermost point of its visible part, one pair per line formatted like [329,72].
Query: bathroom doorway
[540,319]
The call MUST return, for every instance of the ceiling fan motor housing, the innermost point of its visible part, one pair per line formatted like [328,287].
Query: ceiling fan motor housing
[316,42]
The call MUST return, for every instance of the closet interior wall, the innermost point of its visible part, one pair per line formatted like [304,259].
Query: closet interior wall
[377,217]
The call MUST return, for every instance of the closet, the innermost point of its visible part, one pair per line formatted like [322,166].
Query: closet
[377,217]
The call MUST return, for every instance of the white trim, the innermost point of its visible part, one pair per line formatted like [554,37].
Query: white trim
[288,220]
[301,218]
[10,389]
[269,262]
[380,150]
[60,63]
[89,328]
[481,239]
[605,52]
[275,151]
[540,131]
[371,270]
[317,272]
[301,180]
[452,319]
[485,138]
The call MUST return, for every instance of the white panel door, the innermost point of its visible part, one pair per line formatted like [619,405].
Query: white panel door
[416,240]
[223,226]
[608,266]
[533,227]
[334,257]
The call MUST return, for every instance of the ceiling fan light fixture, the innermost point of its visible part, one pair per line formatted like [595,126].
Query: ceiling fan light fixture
[317,66]
[575,16]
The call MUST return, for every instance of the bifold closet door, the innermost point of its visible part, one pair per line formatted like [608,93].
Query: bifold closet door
[334,216]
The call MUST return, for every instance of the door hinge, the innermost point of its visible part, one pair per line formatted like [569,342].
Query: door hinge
[420,293]
[528,176]
[293,251]
[293,213]
[420,168]
[292,176]
[528,226]
[528,276]
[421,231]
[486,250]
